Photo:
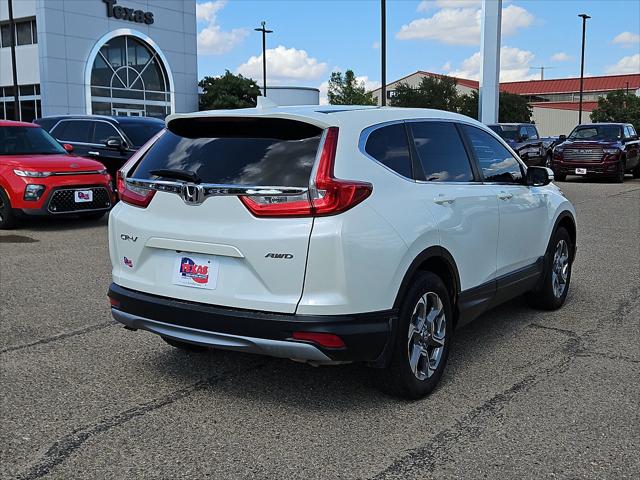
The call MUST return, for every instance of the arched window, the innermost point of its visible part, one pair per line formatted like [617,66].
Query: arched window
[128,77]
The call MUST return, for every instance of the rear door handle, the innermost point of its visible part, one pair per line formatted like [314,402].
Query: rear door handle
[505,196]
[93,153]
[443,199]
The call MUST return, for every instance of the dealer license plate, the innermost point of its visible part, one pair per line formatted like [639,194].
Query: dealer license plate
[82,196]
[197,271]
[581,171]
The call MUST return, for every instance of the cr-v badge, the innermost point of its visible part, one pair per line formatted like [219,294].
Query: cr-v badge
[124,236]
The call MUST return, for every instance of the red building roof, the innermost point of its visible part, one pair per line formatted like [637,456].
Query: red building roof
[569,85]
[586,106]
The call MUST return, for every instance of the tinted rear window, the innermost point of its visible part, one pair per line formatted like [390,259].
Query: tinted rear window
[237,153]
[140,133]
[389,146]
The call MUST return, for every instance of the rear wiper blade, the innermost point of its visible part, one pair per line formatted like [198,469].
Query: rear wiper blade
[187,175]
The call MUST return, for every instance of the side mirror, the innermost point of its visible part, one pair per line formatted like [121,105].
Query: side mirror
[539,176]
[115,143]
[562,138]
[68,147]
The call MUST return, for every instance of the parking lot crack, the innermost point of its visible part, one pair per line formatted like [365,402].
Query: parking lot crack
[62,336]
[68,444]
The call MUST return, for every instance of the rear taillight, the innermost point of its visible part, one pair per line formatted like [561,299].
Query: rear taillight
[137,196]
[327,194]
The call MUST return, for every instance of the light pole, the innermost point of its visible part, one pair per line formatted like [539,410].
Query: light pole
[584,17]
[264,55]
[383,51]
[12,26]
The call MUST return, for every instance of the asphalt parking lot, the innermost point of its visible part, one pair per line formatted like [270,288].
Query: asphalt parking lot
[527,394]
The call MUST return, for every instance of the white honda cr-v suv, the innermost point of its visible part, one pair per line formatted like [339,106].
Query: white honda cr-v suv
[333,234]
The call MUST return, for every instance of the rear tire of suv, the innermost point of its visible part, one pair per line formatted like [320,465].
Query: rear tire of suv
[424,331]
[619,178]
[7,216]
[552,292]
[188,347]
[636,171]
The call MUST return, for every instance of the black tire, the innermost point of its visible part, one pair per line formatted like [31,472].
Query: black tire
[546,297]
[560,177]
[619,178]
[547,160]
[7,215]
[188,347]
[398,378]
[93,216]
[636,171]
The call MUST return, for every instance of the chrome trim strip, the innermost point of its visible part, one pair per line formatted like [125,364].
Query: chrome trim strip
[215,189]
[263,346]
[81,172]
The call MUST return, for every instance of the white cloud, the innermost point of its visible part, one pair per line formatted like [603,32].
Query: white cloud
[630,64]
[461,26]
[627,39]
[561,57]
[284,65]
[212,40]
[368,86]
[515,64]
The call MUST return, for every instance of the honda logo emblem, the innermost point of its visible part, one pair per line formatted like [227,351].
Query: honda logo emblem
[192,194]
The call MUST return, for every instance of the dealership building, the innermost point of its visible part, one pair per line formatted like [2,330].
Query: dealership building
[107,57]
[555,102]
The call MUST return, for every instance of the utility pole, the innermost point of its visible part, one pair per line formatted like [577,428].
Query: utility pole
[383,51]
[542,69]
[12,27]
[584,17]
[264,31]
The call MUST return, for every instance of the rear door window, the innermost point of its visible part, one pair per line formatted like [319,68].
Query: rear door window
[389,146]
[104,131]
[441,152]
[260,152]
[73,131]
[497,164]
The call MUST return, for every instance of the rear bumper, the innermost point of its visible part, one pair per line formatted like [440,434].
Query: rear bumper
[365,335]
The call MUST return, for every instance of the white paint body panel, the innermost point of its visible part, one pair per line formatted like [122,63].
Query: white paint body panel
[353,262]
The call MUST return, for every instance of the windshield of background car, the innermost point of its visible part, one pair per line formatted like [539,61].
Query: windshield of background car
[28,140]
[260,152]
[140,133]
[609,133]
[507,132]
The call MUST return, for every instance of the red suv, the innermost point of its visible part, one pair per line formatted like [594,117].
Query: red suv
[598,149]
[39,177]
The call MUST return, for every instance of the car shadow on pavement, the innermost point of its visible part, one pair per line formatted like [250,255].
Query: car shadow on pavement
[52,224]
[329,388]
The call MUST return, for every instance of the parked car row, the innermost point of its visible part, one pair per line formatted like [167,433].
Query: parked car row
[71,174]
[525,140]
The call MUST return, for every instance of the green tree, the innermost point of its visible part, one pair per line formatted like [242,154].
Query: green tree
[440,93]
[618,106]
[346,90]
[512,108]
[228,91]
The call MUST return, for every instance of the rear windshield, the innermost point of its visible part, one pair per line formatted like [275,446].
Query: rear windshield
[265,152]
[507,132]
[28,140]
[140,133]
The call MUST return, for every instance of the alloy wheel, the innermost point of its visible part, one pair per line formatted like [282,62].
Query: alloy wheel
[427,333]
[560,268]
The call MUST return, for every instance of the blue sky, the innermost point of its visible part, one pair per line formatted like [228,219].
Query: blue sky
[311,38]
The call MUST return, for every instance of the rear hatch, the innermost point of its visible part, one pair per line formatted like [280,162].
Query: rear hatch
[217,211]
